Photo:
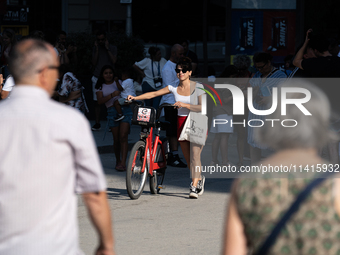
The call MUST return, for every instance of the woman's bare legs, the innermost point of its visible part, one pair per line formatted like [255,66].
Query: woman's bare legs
[241,136]
[195,163]
[215,147]
[224,147]
[255,155]
[116,144]
[120,142]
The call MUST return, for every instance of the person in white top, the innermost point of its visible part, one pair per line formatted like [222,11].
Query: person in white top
[182,94]
[39,186]
[127,85]
[150,70]
[7,88]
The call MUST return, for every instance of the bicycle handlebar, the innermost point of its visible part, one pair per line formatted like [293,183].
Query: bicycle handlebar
[160,108]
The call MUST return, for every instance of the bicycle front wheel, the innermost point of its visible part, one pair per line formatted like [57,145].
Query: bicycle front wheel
[135,178]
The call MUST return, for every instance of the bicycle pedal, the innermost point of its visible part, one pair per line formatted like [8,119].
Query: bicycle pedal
[161,187]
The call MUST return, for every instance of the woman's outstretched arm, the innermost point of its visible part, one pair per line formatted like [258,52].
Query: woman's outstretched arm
[150,95]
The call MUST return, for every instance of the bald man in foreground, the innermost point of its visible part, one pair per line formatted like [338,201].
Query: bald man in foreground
[47,156]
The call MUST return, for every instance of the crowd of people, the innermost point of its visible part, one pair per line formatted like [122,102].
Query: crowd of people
[37,70]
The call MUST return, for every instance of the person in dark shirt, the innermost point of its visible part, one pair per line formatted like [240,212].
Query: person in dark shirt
[323,66]
[297,72]
[190,54]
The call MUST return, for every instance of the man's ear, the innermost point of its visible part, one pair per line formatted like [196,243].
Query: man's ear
[42,79]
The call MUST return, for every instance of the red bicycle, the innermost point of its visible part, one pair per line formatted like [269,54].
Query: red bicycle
[148,156]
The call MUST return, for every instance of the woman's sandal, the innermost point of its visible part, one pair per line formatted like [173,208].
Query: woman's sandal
[214,163]
[120,168]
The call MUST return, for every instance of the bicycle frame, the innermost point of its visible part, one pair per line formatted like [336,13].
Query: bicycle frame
[150,153]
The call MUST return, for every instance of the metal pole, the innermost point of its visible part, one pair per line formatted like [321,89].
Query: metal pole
[300,26]
[227,32]
[128,20]
[64,15]
[205,38]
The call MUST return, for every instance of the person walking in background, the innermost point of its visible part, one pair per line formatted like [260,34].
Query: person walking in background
[190,54]
[69,83]
[38,187]
[170,78]
[242,64]
[263,81]
[106,89]
[8,41]
[103,53]
[150,69]
[323,66]
[224,111]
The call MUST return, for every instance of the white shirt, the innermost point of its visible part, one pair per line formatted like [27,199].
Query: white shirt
[169,78]
[146,65]
[47,154]
[128,87]
[9,84]
[186,99]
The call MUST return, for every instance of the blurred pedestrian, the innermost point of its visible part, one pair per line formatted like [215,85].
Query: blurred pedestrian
[8,41]
[323,66]
[266,78]
[257,205]
[38,187]
[70,85]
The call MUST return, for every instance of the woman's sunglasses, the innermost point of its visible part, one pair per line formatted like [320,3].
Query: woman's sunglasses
[184,70]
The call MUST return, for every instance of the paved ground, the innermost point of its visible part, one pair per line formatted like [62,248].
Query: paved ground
[168,223]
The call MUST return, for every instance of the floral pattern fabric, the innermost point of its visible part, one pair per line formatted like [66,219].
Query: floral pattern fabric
[314,229]
[69,84]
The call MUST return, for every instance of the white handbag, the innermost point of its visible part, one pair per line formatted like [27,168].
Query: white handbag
[195,128]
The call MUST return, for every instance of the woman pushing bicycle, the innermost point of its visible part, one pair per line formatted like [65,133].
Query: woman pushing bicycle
[183,93]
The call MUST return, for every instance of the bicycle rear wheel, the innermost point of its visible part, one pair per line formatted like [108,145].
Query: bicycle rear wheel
[135,178]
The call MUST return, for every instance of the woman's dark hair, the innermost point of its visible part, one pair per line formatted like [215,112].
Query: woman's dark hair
[153,51]
[263,57]
[101,80]
[185,63]
[229,71]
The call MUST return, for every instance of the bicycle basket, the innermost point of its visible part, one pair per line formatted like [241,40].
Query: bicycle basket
[144,116]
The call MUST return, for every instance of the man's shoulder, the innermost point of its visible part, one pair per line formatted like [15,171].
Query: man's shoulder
[64,113]
[169,66]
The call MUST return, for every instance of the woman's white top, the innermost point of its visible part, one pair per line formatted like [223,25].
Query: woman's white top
[192,99]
